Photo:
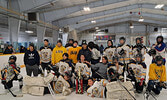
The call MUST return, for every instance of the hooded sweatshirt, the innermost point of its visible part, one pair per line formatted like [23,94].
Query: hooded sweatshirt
[31,58]
[57,54]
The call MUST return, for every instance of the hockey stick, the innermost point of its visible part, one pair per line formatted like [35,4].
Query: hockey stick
[19,95]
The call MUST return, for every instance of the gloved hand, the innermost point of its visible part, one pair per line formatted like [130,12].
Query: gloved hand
[3,81]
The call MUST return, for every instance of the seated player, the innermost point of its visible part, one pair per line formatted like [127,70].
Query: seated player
[63,84]
[97,88]
[115,69]
[65,65]
[157,76]
[83,67]
[137,72]
[11,72]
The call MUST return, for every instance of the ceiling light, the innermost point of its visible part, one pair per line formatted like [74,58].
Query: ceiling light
[159,6]
[28,31]
[141,19]
[96,28]
[93,21]
[86,8]
[131,25]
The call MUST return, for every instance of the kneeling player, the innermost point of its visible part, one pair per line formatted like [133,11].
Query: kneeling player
[97,88]
[157,76]
[137,72]
[115,69]
[11,72]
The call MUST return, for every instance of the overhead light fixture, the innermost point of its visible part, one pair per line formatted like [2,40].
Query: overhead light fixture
[28,31]
[159,6]
[86,8]
[96,28]
[131,25]
[141,19]
[93,21]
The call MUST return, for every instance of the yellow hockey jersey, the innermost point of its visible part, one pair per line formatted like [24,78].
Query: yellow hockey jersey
[57,54]
[73,53]
[157,72]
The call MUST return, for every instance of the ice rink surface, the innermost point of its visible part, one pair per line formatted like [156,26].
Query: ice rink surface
[73,96]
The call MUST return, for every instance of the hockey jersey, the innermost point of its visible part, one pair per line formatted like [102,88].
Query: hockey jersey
[109,52]
[84,69]
[95,54]
[73,53]
[9,71]
[128,53]
[113,66]
[138,49]
[157,72]
[139,70]
[45,54]
[64,67]
[97,89]
[160,49]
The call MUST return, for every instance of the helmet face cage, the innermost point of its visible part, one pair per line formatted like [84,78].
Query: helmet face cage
[140,56]
[13,57]
[158,58]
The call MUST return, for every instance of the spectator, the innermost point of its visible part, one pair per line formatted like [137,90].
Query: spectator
[9,50]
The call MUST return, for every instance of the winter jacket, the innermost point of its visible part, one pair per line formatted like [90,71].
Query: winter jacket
[87,53]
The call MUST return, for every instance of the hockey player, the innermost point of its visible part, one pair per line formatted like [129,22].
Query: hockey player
[123,51]
[65,65]
[157,76]
[11,72]
[57,53]
[137,72]
[95,53]
[45,56]
[139,48]
[73,52]
[97,88]
[109,51]
[115,69]
[160,47]
[69,44]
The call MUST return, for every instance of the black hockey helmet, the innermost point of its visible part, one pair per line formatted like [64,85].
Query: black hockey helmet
[162,38]
[158,58]
[139,55]
[152,52]
[13,57]
[122,38]
[115,58]
[138,38]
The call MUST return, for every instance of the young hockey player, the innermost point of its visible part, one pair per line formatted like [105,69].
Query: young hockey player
[139,48]
[73,52]
[97,88]
[57,53]
[45,56]
[160,47]
[63,84]
[123,51]
[65,65]
[157,76]
[115,69]
[32,61]
[69,44]
[11,72]
[137,72]
[95,53]
[110,50]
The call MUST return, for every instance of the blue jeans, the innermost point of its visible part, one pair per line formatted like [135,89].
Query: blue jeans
[155,87]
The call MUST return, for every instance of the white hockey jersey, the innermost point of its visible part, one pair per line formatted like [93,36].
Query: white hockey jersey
[45,54]
[64,67]
[97,89]
[109,52]
[85,71]
[128,53]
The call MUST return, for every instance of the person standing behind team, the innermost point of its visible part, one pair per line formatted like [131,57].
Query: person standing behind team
[45,56]
[32,60]
[57,53]
[73,52]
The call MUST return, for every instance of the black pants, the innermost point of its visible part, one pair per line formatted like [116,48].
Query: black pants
[32,69]
[45,66]
[9,84]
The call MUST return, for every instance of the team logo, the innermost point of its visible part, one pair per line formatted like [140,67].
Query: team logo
[95,92]
[59,86]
